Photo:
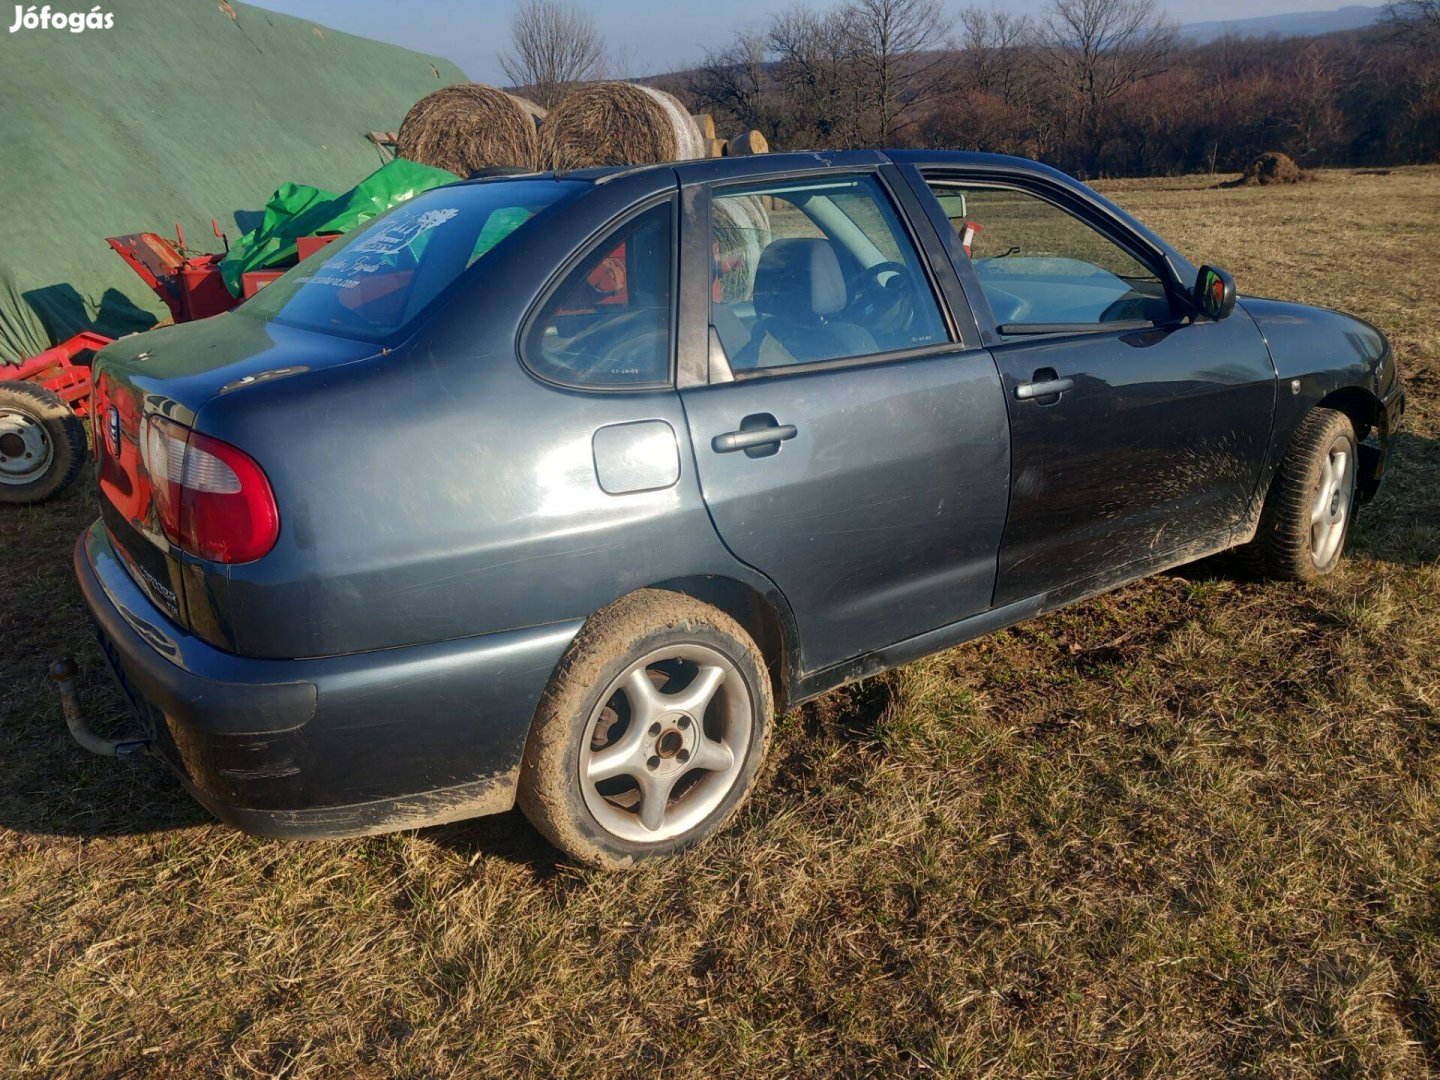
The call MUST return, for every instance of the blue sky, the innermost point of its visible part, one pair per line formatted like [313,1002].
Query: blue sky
[649,35]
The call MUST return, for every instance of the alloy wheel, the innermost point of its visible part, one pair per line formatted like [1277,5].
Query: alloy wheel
[1330,507]
[666,743]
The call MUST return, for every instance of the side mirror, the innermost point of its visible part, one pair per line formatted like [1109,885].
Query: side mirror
[1214,292]
[952,203]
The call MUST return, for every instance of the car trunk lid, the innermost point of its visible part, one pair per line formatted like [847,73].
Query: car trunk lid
[165,377]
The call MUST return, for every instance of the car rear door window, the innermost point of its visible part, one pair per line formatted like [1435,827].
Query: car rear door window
[1042,268]
[809,271]
[608,325]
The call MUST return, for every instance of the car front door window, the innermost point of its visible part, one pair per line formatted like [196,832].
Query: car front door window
[1042,269]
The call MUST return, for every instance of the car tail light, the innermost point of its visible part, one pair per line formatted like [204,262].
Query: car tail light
[212,500]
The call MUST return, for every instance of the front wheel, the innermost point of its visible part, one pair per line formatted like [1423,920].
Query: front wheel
[651,733]
[1307,513]
[42,443]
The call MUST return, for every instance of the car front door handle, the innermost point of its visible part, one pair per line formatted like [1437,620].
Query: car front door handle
[752,438]
[1028,391]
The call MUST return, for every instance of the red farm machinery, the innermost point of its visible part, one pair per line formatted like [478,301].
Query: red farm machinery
[45,399]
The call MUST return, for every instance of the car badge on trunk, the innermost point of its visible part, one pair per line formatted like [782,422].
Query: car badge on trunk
[112,430]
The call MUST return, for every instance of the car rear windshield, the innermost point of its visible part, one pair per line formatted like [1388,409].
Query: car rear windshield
[374,283]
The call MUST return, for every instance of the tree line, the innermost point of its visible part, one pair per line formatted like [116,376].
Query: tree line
[1095,87]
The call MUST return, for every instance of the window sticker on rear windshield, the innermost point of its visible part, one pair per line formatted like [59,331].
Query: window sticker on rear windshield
[398,236]
[378,279]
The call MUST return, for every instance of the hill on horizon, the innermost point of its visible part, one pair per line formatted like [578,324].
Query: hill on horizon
[1290,24]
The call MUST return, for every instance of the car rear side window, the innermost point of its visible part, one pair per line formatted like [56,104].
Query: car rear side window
[813,270]
[608,325]
[377,281]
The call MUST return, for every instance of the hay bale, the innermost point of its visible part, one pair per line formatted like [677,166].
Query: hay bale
[714,148]
[705,123]
[615,123]
[467,127]
[749,142]
[740,226]
[1273,167]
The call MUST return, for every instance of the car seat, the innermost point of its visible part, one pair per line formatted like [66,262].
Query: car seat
[798,287]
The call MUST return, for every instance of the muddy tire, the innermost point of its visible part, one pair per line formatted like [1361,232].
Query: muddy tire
[651,733]
[1311,502]
[42,443]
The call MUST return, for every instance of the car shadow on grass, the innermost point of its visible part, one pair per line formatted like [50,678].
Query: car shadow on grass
[1402,524]
[508,836]
[57,789]
[48,785]
[853,711]
[53,788]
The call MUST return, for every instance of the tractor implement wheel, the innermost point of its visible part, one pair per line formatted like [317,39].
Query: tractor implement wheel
[42,443]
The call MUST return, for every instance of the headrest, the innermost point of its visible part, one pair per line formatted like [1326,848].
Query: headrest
[797,277]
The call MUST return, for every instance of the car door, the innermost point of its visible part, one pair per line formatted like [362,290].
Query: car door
[1138,433]
[849,443]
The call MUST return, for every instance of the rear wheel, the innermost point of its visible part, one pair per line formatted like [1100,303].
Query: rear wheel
[651,733]
[42,443]
[1311,502]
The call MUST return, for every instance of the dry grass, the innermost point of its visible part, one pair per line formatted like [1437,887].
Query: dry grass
[1188,829]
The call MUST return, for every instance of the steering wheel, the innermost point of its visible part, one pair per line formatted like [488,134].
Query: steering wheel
[883,299]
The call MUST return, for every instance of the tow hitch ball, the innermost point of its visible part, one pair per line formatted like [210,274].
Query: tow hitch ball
[63,672]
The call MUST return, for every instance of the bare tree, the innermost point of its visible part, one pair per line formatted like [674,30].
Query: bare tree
[1101,48]
[815,70]
[1312,114]
[732,82]
[996,45]
[1097,86]
[1415,15]
[897,45]
[553,45]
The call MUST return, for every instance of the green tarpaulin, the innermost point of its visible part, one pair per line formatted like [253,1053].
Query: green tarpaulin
[176,113]
[297,210]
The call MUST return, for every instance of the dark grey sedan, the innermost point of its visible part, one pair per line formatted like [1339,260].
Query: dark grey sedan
[555,488]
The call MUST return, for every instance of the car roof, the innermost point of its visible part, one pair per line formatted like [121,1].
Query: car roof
[704,170]
[651,179]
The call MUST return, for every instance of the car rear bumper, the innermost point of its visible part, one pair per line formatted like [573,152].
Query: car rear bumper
[334,746]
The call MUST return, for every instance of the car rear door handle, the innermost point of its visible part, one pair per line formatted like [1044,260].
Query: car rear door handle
[1028,391]
[751,438]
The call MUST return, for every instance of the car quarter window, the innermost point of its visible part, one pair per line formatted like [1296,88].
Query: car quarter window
[608,325]
[1040,266]
[814,270]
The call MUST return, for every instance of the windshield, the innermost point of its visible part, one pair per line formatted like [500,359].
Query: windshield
[378,280]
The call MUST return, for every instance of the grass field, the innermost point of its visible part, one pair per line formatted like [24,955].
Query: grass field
[1191,828]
